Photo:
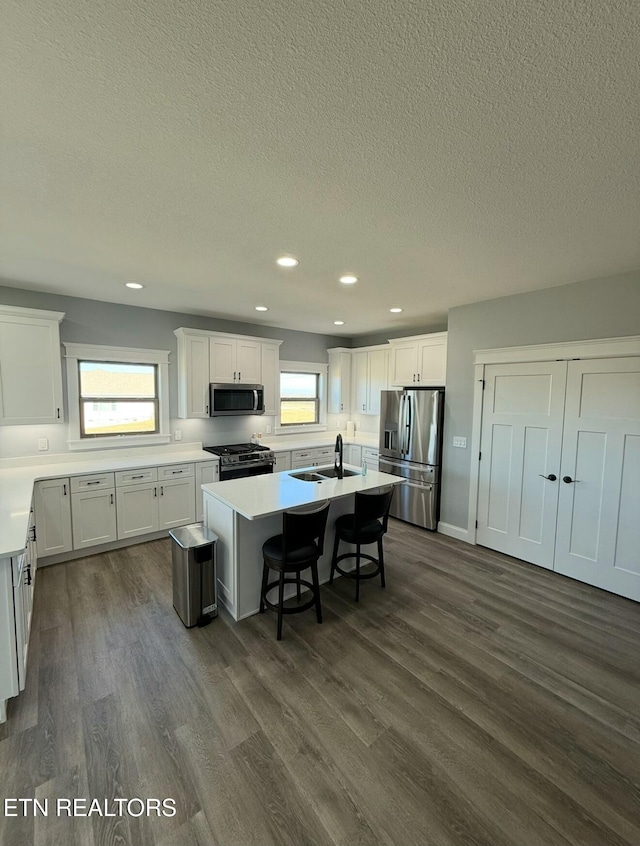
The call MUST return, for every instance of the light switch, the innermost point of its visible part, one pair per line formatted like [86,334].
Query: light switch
[177,435]
[459,442]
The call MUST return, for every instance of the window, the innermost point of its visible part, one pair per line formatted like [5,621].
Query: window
[299,398]
[117,398]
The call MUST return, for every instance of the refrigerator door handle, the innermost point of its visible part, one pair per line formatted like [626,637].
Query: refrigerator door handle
[408,414]
[403,398]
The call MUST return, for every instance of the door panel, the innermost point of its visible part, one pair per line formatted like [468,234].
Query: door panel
[176,503]
[137,509]
[249,362]
[521,441]
[598,525]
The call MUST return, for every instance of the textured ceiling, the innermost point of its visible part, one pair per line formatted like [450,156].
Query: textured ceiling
[445,152]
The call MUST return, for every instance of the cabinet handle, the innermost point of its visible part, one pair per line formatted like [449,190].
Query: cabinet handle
[141,476]
[58,412]
[239,376]
[176,472]
[206,409]
[234,375]
[363,406]
[33,533]
[97,482]
[418,377]
[161,490]
[29,580]
[111,499]
[155,492]
[64,490]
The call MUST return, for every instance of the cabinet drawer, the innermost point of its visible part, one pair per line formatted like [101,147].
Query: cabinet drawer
[307,455]
[370,454]
[136,477]
[175,471]
[324,453]
[90,483]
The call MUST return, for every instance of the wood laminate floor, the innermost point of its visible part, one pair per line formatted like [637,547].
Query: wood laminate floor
[478,700]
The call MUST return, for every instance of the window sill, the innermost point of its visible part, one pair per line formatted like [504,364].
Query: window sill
[118,441]
[301,429]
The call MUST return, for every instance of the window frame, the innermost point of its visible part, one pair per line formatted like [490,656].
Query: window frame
[316,400]
[76,353]
[320,369]
[115,400]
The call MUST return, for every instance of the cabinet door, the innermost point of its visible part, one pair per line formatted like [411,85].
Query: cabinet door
[206,472]
[271,377]
[323,456]
[378,379]
[137,510]
[94,518]
[353,455]
[53,517]
[283,461]
[222,359]
[359,379]
[404,360]
[196,354]
[176,503]
[22,615]
[339,382]
[249,362]
[30,371]
[432,362]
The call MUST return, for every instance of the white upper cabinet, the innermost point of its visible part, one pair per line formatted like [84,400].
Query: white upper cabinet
[369,376]
[205,357]
[235,360]
[271,377]
[419,360]
[339,380]
[30,366]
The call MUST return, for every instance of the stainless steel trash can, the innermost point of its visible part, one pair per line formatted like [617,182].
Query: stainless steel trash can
[194,574]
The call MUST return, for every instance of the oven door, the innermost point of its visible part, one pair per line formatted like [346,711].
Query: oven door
[235,400]
[243,470]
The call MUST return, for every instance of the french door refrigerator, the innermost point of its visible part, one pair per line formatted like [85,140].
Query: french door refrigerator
[411,423]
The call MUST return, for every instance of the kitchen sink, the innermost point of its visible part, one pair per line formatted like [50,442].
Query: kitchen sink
[322,474]
[308,476]
[331,473]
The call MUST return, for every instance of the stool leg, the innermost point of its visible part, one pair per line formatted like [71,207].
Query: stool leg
[298,585]
[336,544]
[280,603]
[358,572]
[265,581]
[316,590]
[381,561]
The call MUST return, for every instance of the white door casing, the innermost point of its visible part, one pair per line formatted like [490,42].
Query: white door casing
[520,445]
[598,536]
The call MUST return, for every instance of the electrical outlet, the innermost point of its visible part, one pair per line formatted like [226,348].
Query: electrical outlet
[268,428]
[459,442]
[43,444]
[177,435]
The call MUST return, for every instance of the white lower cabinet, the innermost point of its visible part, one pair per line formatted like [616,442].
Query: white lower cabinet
[318,457]
[53,510]
[93,515]
[353,455]
[283,461]
[372,457]
[137,509]
[206,473]
[176,503]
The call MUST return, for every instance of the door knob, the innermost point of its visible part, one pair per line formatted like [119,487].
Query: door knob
[569,481]
[551,477]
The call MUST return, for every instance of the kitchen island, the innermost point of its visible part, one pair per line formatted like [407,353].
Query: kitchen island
[245,512]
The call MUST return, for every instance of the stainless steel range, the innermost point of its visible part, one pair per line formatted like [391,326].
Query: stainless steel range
[237,461]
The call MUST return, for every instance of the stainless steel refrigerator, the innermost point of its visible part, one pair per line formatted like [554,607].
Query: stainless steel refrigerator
[411,422]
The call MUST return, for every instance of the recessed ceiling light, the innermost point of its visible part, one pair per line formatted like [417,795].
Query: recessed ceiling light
[348,279]
[287,261]
[338,322]
[261,308]
[135,285]
[395,310]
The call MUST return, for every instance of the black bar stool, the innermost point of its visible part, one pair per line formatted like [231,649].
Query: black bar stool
[298,547]
[368,524]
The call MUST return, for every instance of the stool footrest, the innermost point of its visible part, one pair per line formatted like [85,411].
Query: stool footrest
[298,608]
[351,574]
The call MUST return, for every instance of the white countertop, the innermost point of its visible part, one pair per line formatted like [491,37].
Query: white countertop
[16,484]
[261,496]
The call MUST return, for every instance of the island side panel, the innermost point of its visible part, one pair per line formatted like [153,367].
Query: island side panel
[220,518]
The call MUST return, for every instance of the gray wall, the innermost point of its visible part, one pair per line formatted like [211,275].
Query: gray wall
[90,321]
[382,337]
[598,308]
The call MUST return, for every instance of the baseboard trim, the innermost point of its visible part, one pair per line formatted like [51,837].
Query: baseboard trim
[454,532]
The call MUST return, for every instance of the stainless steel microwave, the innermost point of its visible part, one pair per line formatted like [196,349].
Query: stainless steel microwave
[233,400]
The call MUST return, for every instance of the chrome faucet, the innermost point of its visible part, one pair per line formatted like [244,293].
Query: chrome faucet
[338,458]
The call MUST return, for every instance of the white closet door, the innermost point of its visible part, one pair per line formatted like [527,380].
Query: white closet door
[598,538]
[521,442]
